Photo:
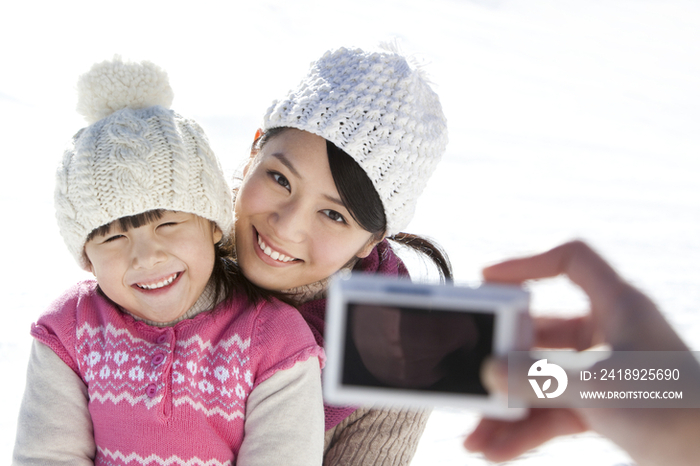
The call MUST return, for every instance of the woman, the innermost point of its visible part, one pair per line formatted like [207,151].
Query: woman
[336,170]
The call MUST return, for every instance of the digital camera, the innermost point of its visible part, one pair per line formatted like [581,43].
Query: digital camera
[392,342]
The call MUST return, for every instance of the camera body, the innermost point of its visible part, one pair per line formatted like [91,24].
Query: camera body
[392,342]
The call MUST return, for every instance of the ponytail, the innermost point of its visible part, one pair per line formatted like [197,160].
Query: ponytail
[430,249]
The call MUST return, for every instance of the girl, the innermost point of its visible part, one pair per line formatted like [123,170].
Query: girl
[160,360]
[335,170]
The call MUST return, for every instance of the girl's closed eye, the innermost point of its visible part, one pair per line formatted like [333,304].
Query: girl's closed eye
[112,238]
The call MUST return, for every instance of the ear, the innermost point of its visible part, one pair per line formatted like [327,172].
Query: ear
[253,151]
[364,252]
[88,265]
[217,233]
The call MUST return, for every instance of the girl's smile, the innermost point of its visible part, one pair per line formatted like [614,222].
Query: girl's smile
[157,285]
[291,227]
[158,270]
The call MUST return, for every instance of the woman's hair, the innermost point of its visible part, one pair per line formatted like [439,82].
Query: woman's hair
[226,275]
[364,204]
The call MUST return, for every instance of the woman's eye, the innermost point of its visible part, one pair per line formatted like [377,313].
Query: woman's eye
[280,179]
[109,239]
[335,216]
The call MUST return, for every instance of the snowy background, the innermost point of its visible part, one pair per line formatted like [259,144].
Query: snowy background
[567,119]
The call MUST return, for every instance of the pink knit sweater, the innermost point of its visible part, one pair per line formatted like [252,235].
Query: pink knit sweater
[172,395]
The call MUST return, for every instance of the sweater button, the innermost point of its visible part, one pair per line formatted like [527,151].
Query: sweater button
[157,359]
[151,390]
[162,338]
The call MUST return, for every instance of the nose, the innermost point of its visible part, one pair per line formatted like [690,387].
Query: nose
[290,223]
[147,253]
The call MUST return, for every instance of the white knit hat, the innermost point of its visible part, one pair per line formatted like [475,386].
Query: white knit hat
[380,111]
[137,155]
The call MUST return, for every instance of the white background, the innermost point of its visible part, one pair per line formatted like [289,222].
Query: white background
[567,119]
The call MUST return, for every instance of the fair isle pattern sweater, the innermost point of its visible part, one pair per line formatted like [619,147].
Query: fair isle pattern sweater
[171,395]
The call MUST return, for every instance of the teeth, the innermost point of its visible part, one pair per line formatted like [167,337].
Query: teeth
[160,284]
[274,254]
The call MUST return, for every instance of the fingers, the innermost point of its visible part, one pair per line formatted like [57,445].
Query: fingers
[620,315]
[553,332]
[503,440]
[575,259]
[615,304]
[494,375]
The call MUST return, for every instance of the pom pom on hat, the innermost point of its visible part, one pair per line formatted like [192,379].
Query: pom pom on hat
[113,85]
[137,156]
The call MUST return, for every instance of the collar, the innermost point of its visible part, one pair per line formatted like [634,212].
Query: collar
[205,302]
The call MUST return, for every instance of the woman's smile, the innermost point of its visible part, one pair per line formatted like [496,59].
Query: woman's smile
[291,227]
[270,252]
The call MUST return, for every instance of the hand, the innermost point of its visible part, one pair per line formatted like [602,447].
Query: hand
[620,316]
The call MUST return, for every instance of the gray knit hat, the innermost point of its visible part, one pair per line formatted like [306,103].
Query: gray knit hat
[380,111]
[137,155]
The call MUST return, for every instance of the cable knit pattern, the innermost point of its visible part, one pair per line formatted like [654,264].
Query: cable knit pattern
[182,388]
[380,111]
[139,156]
[375,437]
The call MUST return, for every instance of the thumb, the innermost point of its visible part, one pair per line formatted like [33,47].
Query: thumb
[494,375]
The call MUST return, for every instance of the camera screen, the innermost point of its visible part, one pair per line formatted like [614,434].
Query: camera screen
[419,349]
